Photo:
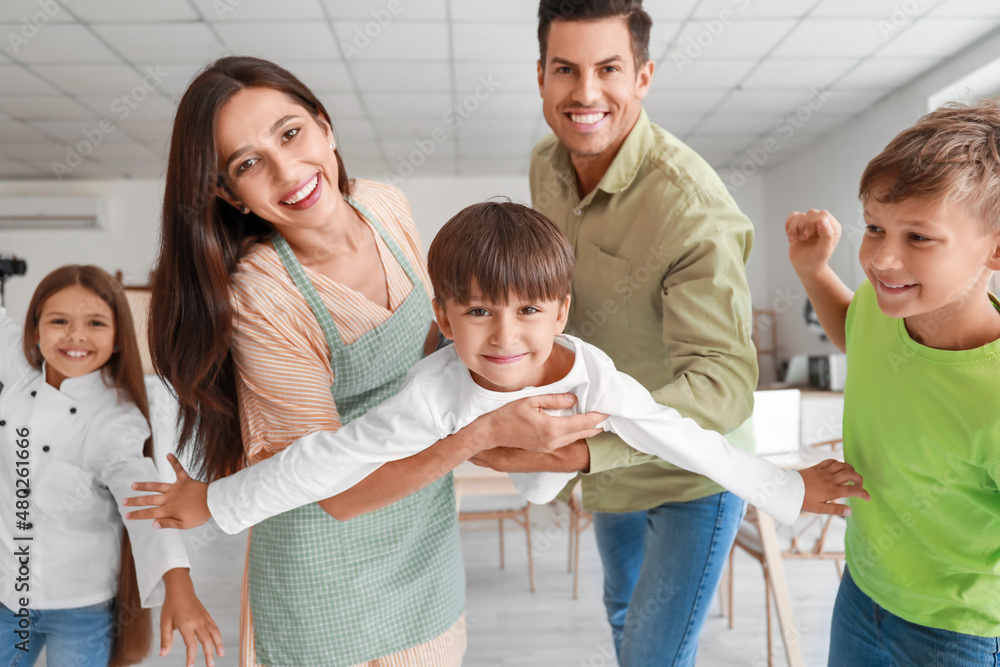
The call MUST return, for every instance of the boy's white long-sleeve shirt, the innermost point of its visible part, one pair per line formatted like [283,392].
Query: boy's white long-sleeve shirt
[440,397]
[83,451]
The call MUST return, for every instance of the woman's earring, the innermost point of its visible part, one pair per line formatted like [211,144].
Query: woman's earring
[116,348]
[332,147]
[245,210]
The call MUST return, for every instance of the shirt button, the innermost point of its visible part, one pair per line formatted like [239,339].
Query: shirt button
[45,448]
[3,422]
[33,393]
[72,411]
[578,211]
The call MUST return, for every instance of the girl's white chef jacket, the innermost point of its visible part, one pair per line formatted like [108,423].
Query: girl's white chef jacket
[84,452]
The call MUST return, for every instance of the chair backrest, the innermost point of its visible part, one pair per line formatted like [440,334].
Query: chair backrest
[776,421]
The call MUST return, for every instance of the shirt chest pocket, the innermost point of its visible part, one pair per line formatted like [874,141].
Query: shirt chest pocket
[601,289]
[67,488]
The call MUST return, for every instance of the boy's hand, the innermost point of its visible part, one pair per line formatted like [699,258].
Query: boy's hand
[525,424]
[812,236]
[574,457]
[183,611]
[183,504]
[827,481]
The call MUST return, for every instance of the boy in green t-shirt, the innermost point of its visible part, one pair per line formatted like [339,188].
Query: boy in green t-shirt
[921,404]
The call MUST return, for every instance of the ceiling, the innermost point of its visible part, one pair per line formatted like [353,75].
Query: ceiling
[447,87]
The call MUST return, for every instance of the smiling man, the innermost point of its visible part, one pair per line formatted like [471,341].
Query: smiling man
[660,286]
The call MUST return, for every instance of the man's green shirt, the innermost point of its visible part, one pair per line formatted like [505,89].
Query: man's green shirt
[660,286]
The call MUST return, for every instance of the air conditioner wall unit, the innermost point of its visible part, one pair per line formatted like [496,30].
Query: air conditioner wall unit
[33,212]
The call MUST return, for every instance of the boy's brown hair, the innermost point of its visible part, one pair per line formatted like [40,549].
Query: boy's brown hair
[952,152]
[502,249]
[638,21]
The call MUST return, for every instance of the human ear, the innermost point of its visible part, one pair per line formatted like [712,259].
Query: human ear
[643,79]
[541,79]
[993,262]
[563,315]
[442,318]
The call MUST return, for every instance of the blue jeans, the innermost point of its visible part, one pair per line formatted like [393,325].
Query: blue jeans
[866,635]
[661,569]
[79,637]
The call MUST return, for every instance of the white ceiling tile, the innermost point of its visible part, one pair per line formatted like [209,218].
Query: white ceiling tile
[741,124]
[662,99]
[351,150]
[770,102]
[116,11]
[162,42]
[428,149]
[677,125]
[740,10]
[742,39]
[11,170]
[124,151]
[797,73]
[886,73]
[397,42]
[510,77]
[88,169]
[843,101]
[56,43]
[965,9]
[824,123]
[140,168]
[403,77]
[494,42]
[938,37]
[340,105]
[387,11]
[48,107]
[131,105]
[259,10]
[154,133]
[509,11]
[832,38]
[383,105]
[323,77]
[675,10]
[280,42]
[511,127]
[703,74]
[403,128]
[89,79]
[498,104]
[36,151]
[492,166]
[661,36]
[517,148]
[356,129]
[883,10]
[171,78]
[16,11]
[15,80]
[72,132]
[12,130]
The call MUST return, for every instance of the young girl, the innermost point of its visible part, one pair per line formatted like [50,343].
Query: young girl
[74,431]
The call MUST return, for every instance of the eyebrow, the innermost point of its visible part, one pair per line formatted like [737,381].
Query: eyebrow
[556,60]
[246,149]
[912,223]
[58,313]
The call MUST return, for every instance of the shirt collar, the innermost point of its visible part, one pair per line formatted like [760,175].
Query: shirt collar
[80,388]
[624,168]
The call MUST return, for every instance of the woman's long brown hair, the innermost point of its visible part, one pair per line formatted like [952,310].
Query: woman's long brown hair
[202,238]
[132,631]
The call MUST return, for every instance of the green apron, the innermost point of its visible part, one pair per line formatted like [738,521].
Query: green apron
[330,593]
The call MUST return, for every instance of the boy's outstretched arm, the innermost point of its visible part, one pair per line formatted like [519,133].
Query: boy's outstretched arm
[812,236]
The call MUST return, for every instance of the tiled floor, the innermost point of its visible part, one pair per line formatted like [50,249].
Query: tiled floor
[511,626]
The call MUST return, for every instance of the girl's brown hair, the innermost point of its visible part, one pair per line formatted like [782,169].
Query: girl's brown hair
[133,626]
[202,238]
[952,152]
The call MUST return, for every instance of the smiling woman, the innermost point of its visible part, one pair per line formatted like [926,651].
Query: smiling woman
[289,299]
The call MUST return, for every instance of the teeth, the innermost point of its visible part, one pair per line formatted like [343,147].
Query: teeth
[304,192]
[891,286]
[586,118]
[77,354]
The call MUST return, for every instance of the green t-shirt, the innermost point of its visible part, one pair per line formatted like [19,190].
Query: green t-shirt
[922,426]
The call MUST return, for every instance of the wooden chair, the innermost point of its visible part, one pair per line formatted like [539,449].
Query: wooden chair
[579,520]
[473,480]
[776,428]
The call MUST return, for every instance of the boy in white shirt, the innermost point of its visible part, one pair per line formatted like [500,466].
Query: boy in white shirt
[501,274]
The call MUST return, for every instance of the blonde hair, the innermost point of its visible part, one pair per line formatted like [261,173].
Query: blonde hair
[951,153]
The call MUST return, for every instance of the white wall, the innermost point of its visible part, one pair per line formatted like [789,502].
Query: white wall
[826,175]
